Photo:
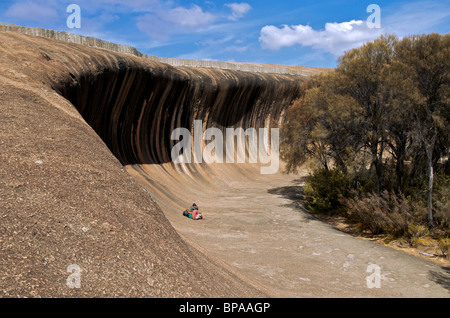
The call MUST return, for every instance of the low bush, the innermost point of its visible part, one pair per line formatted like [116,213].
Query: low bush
[393,215]
[417,235]
[385,213]
[444,246]
[323,190]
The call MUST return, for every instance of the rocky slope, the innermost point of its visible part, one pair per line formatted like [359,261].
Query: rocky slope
[71,118]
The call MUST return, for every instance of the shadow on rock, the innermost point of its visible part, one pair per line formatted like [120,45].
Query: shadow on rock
[296,195]
[442,278]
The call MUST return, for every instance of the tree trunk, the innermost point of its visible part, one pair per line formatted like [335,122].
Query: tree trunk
[400,150]
[399,171]
[378,164]
[430,195]
[429,154]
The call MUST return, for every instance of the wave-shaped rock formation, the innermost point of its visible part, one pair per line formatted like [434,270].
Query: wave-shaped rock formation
[71,118]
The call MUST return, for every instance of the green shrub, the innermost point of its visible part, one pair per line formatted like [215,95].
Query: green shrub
[444,246]
[364,182]
[417,234]
[324,188]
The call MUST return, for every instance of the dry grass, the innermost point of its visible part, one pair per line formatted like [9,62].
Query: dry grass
[382,214]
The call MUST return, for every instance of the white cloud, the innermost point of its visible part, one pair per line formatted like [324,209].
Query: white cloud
[162,23]
[336,38]
[32,11]
[238,10]
[191,18]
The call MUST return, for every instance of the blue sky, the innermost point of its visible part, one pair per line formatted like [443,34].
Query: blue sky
[300,32]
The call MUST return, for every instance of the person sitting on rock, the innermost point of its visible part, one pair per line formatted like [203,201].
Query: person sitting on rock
[194,213]
[193,208]
[188,212]
[197,215]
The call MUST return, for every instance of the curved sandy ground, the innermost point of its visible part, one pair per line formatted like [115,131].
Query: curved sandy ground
[267,235]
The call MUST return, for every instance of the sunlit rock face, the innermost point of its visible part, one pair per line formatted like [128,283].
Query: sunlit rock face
[72,117]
